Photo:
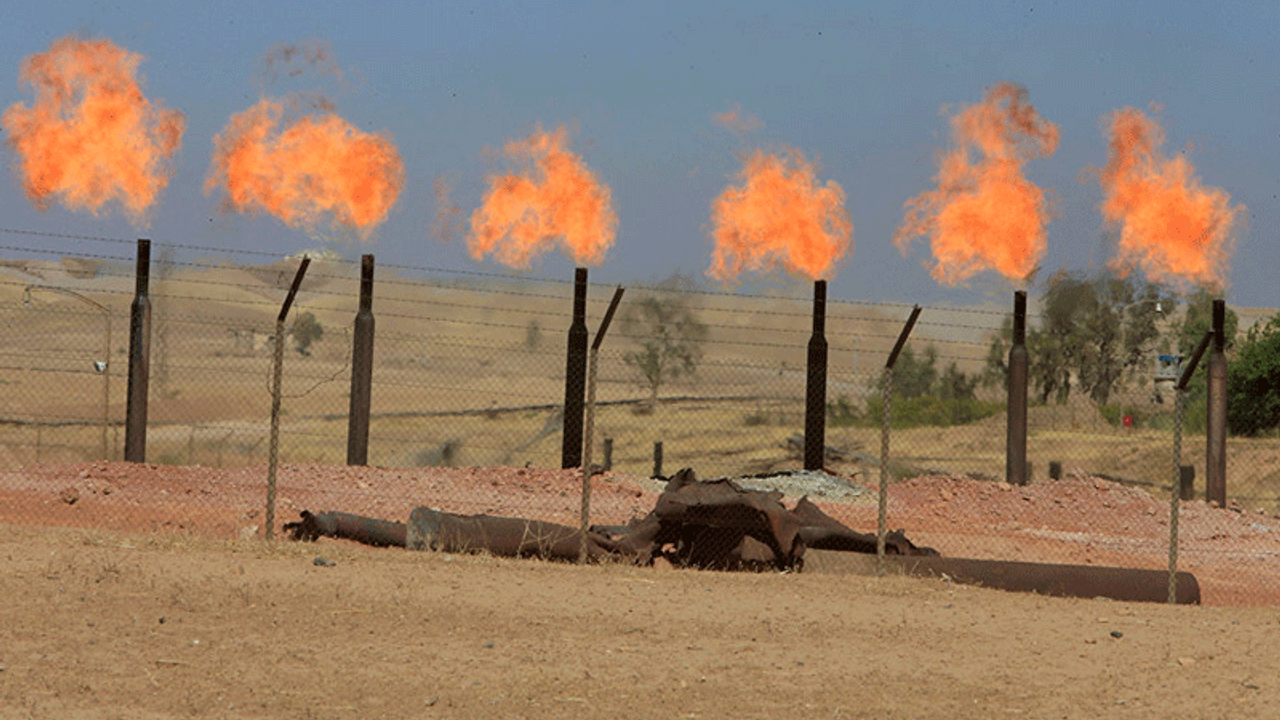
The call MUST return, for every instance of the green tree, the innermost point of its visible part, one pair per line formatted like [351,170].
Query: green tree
[915,377]
[1197,320]
[956,385]
[667,334]
[1253,381]
[1094,332]
[305,331]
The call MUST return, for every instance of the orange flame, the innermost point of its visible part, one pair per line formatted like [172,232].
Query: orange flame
[985,214]
[779,214]
[303,170]
[91,137]
[555,195]
[1172,227]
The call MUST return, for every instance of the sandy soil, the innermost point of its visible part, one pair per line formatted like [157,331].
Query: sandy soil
[156,598]
[102,624]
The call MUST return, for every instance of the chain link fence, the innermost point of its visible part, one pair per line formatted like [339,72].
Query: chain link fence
[469,372]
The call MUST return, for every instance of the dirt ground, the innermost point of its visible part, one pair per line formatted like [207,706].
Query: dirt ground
[140,591]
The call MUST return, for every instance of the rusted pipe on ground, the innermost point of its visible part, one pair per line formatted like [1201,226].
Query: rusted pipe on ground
[345,526]
[1059,580]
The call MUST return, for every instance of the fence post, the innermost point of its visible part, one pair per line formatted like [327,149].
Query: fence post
[657,459]
[1175,488]
[277,375]
[135,431]
[886,395]
[361,370]
[589,440]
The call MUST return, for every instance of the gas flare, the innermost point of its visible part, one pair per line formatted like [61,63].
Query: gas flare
[984,214]
[553,196]
[91,137]
[1173,228]
[302,170]
[779,214]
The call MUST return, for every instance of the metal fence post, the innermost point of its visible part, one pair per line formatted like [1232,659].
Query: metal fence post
[277,375]
[886,393]
[588,439]
[1175,489]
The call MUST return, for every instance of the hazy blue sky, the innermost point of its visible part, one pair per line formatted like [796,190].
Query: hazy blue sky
[862,87]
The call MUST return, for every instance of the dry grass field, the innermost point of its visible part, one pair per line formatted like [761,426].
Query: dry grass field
[470,371]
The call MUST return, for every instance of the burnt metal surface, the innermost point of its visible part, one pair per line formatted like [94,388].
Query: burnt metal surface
[716,524]
[431,529]
[823,532]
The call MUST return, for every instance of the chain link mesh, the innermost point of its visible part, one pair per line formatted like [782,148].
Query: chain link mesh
[469,373]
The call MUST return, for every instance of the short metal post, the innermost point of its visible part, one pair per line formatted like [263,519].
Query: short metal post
[657,459]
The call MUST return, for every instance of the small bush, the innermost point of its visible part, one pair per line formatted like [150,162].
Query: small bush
[929,411]
[842,413]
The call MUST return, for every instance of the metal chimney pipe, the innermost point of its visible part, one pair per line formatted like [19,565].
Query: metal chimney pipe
[575,375]
[135,423]
[1216,411]
[361,370]
[815,407]
[1016,438]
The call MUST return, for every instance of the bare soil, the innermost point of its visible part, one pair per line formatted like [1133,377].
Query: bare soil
[142,591]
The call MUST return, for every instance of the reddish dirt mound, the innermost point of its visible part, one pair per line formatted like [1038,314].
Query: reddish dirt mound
[1234,553]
